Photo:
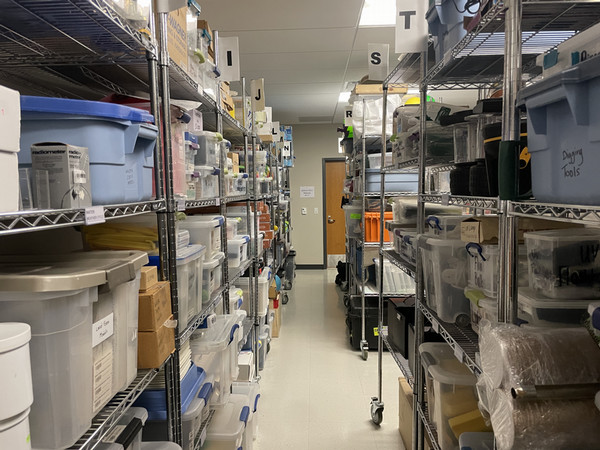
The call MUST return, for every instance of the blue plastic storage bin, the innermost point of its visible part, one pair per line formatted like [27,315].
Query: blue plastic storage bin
[394,182]
[120,139]
[446,25]
[563,135]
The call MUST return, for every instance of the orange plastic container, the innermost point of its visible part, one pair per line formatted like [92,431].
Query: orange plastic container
[372,226]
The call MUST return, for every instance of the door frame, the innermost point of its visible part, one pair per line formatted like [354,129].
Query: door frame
[324,177]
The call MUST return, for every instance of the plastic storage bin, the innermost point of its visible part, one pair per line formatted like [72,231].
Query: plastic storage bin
[451,394]
[354,321]
[399,316]
[564,263]
[207,182]
[16,388]
[263,292]
[251,389]
[482,307]
[484,269]
[190,261]
[405,243]
[561,135]
[212,349]
[237,250]
[445,275]
[204,230]
[165,445]
[375,160]
[445,227]
[128,430]
[14,432]
[445,18]
[121,142]
[226,431]
[353,220]
[208,149]
[372,224]
[394,182]
[476,441]
[542,311]
[394,280]
[211,276]
[232,226]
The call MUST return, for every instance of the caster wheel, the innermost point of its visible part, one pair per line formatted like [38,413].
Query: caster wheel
[285,299]
[376,413]
[463,321]
[365,354]
[346,300]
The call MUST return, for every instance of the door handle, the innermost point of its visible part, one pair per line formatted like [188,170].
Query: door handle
[330,220]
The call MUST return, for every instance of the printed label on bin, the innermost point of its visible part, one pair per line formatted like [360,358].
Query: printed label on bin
[102,330]
[356,216]
[79,176]
[181,204]
[94,215]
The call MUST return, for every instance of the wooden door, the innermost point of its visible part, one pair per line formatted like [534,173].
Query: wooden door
[335,174]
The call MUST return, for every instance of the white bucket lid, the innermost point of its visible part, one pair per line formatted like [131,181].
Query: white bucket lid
[14,421]
[13,335]
[190,253]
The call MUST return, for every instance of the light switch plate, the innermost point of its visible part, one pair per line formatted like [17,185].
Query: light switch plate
[316,210]
[303,211]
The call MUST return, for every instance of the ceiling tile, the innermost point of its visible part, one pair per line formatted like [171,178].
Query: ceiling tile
[314,61]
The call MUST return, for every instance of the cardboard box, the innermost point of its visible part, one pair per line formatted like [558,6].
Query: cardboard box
[235,157]
[484,230]
[155,346]
[154,307]
[374,89]
[68,170]
[177,37]
[272,293]
[148,278]
[208,34]
[276,324]
[405,413]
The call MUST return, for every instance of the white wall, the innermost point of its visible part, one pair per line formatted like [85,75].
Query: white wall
[312,143]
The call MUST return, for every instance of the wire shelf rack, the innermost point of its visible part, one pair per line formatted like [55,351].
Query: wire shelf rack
[201,436]
[401,361]
[393,257]
[559,212]
[189,204]
[236,272]
[428,425]
[197,321]
[486,203]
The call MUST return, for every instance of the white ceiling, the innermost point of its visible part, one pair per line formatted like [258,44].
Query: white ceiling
[305,50]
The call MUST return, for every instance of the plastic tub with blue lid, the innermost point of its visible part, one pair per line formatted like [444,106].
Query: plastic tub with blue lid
[120,139]
[226,430]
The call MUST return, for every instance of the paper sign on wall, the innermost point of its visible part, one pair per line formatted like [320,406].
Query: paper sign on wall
[307,191]
[229,58]
[257,90]
[411,26]
[378,56]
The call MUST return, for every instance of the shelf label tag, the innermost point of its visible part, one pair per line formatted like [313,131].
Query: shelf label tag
[217,201]
[458,353]
[181,204]
[411,26]
[229,58]
[257,92]
[436,326]
[445,199]
[94,215]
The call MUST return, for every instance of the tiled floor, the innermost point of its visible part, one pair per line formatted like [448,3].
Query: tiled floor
[315,389]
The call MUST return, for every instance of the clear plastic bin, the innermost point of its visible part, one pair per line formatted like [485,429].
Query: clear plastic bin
[394,280]
[482,307]
[542,311]
[263,292]
[189,281]
[207,182]
[237,250]
[252,390]
[484,268]
[226,431]
[208,149]
[445,275]
[444,227]
[243,224]
[375,160]
[240,184]
[128,430]
[212,350]
[564,263]
[212,275]
[232,226]
[405,244]
[204,230]
[394,182]
[451,391]
[229,182]
[236,298]
[353,220]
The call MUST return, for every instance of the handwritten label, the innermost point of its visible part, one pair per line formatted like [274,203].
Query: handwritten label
[102,330]
[181,204]
[572,162]
[458,353]
[94,215]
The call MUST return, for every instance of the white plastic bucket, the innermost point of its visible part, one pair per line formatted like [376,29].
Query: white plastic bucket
[16,389]
[14,433]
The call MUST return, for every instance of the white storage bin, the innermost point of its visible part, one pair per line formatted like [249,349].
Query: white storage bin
[353,220]
[131,422]
[190,262]
[212,350]
[445,275]
[207,182]
[237,250]
[226,431]
[240,184]
[16,390]
[232,226]
[14,432]
[375,160]
[405,243]
[263,339]
[564,263]
[484,269]
[445,227]
[542,311]
[204,230]
[394,280]
[451,390]
[229,182]
[212,276]
[263,292]
[236,296]
[208,149]
[482,307]
[252,390]
[9,181]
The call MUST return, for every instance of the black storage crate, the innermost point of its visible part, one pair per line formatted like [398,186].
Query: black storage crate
[399,317]
[353,321]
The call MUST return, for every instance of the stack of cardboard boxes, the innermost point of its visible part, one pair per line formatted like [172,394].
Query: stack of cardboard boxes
[227,102]
[274,305]
[156,333]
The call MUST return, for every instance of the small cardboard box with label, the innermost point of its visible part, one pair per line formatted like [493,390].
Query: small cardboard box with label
[154,306]
[154,347]
[148,277]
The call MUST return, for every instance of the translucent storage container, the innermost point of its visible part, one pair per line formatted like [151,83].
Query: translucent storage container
[204,230]
[165,445]
[564,263]
[263,292]
[232,226]
[15,433]
[212,349]
[476,441]
[542,311]
[484,269]
[243,223]
[128,430]
[252,390]
[240,184]
[207,182]
[405,244]
[208,149]
[229,182]
[394,280]
[120,140]
[353,220]
[482,307]
[451,392]
[226,430]
[237,250]
[394,182]
[190,261]
[54,294]
[212,276]
[445,275]
[444,227]
[375,160]
[236,298]
[263,338]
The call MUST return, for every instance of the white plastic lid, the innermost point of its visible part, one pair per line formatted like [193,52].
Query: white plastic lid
[202,222]
[564,234]
[190,253]
[443,366]
[13,335]
[228,423]
[215,338]
[238,240]
[215,261]
[235,293]
[14,421]
[529,299]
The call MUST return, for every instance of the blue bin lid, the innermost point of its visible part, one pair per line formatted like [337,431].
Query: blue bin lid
[84,108]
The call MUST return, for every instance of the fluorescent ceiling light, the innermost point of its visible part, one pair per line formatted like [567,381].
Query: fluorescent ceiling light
[378,13]
[344,97]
